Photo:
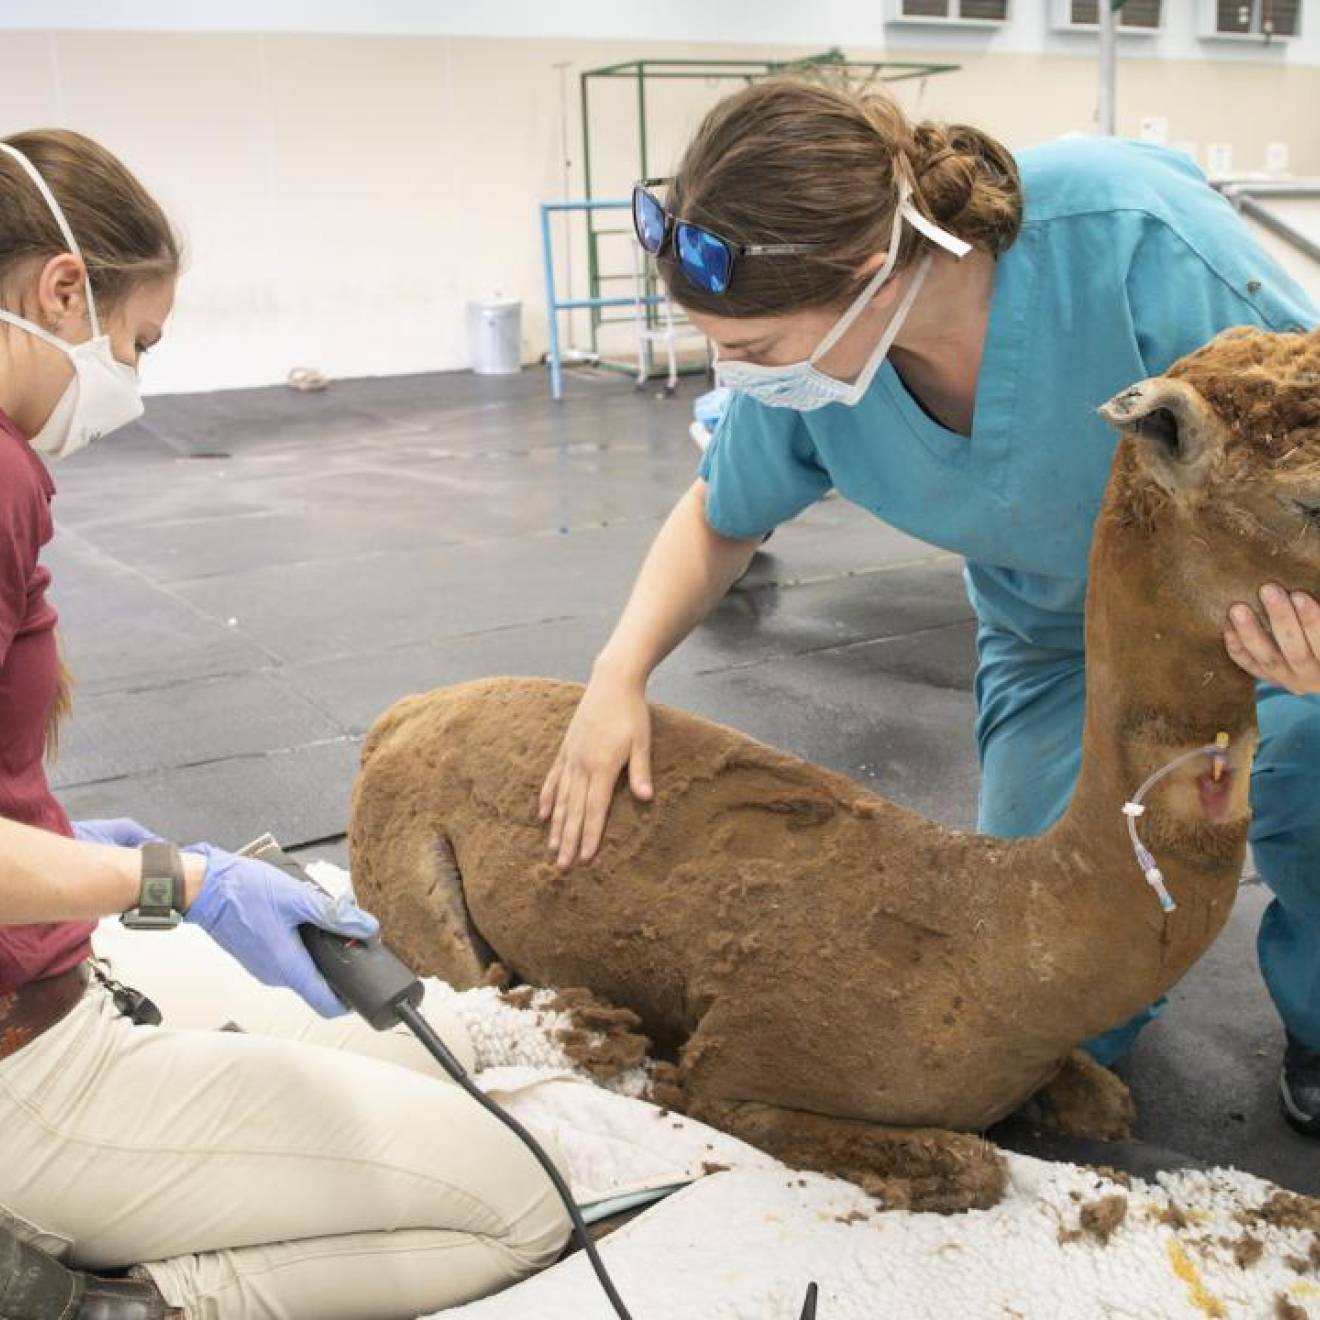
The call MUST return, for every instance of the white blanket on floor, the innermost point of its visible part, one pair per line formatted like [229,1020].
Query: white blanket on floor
[743,1242]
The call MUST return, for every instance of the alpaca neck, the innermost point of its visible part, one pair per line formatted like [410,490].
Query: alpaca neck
[1159,684]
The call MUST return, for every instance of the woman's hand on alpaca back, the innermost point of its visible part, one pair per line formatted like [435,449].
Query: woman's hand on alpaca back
[610,730]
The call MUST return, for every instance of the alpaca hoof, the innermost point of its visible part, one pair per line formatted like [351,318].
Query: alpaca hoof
[1084,1099]
[918,1169]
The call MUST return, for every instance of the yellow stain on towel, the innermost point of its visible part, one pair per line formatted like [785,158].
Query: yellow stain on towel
[1186,1271]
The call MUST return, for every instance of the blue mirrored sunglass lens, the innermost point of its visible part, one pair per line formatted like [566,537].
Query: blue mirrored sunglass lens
[649,218]
[705,259]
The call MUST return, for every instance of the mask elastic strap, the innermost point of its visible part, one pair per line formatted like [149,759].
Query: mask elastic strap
[904,211]
[881,350]
[34,329]
[951,243]
[844,323]
[49,198]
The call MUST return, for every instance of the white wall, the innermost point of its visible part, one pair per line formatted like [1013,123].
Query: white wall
[774,22]
[343,194]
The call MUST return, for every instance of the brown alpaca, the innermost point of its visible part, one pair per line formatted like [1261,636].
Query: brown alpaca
[843,983]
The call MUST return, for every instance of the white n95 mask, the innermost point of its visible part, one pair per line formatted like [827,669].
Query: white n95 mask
[802,385]
[103,394]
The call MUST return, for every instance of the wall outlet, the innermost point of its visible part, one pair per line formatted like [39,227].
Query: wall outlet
[1219,159]
[1276,158]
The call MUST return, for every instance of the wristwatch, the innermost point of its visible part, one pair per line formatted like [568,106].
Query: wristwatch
[160,901]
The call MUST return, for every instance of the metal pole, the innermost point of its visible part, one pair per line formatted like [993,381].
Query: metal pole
[551,307]
[566,184]
[1105,106]
[1264,216]
[644,312]
[593,273]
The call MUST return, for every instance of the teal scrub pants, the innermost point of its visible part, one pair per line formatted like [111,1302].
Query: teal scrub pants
[1030,707]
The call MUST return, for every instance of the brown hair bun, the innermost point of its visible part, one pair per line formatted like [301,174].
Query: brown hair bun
[969,184]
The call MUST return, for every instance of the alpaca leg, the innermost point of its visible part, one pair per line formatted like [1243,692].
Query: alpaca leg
[1084,1099]
[404,868]
[409,878]
[910,1168]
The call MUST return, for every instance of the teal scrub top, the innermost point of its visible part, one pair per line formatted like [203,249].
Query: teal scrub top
[1127,259]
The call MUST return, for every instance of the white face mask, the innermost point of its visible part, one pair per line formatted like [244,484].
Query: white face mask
[103,394]
[802,385]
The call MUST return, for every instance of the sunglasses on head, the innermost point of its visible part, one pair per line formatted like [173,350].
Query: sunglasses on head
[705,258]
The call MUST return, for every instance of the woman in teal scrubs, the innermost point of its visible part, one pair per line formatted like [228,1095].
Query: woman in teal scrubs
[926,323]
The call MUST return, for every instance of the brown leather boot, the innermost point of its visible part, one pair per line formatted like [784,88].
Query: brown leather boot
[35,1286]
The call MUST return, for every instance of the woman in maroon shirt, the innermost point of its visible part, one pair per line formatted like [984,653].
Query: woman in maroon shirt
[29,674]
[357,1152]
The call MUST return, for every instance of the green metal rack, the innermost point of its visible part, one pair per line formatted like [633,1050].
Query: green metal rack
[830,66]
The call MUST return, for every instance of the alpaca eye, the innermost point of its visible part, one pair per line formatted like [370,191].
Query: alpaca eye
[1311,512]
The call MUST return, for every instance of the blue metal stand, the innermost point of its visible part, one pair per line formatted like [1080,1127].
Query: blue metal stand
[553,305]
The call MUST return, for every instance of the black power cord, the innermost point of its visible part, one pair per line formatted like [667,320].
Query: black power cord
[372,980]
[409,1015]
[427,1034]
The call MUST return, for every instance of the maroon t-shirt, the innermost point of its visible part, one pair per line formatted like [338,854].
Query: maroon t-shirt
[29,674]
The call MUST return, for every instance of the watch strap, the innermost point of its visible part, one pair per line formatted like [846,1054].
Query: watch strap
[161,897]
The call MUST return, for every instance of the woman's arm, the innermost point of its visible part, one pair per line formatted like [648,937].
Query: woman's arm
[250,909]
[686,573]
[47,877]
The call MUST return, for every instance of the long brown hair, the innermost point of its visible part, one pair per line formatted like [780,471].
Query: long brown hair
[60,708]
[785,161]
[123,233]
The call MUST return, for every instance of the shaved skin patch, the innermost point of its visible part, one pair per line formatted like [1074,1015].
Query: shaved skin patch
[1216,795]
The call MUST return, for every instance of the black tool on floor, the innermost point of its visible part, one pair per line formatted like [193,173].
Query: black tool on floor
[372,980]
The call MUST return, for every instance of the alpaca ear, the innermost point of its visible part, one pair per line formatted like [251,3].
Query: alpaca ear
[1176,428]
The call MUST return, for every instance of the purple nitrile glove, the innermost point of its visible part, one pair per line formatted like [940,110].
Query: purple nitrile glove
[122,833]
[252,910]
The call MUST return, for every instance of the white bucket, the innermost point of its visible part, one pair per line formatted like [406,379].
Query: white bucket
[495,336]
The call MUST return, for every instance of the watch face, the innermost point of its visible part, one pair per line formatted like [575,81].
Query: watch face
[161,894]
[157,891]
